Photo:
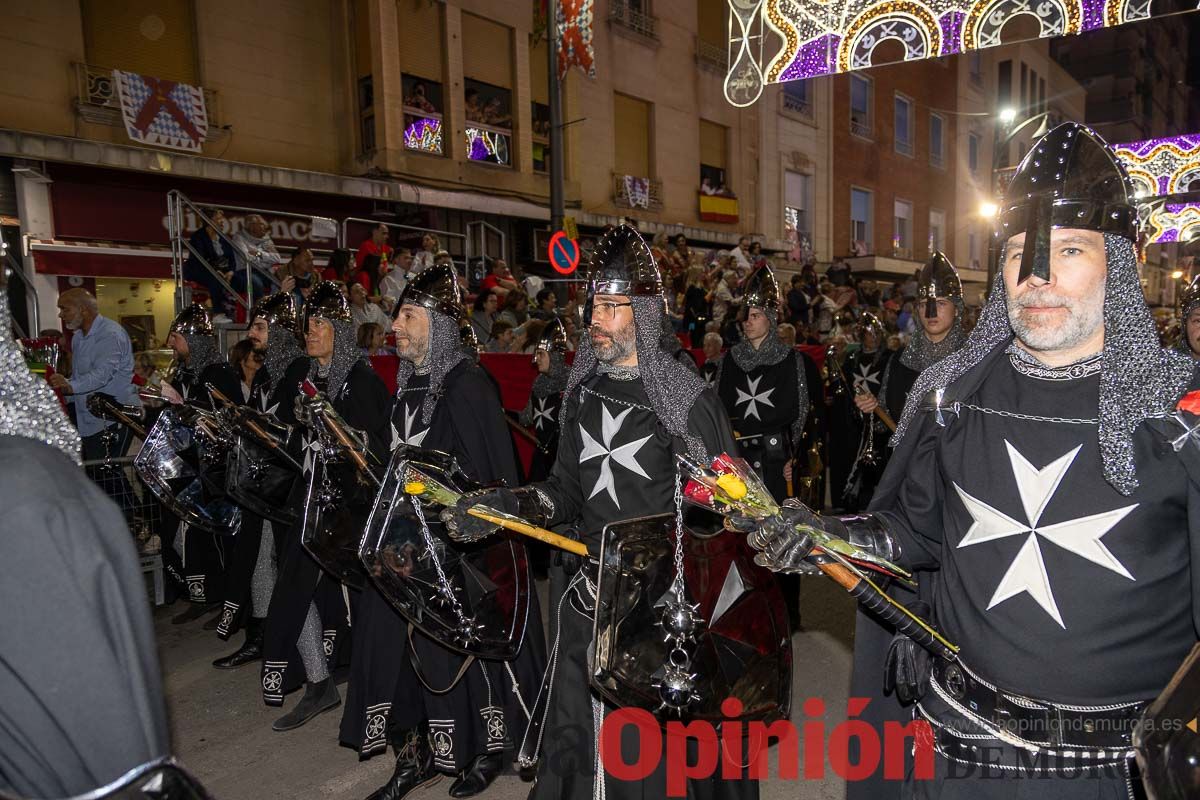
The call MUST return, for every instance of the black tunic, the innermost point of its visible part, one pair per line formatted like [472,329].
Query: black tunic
[244,555]
[482,712]
[363,404]
[615,462]
[79,679]
[202,565]
[762,405]
[1055,585]
[544,412]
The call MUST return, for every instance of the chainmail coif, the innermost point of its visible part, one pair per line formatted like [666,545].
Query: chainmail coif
[920,353]
[671,387]
[282,350]
[203,352]
[28,407]
[445,350]
[1138,377]
[345,355]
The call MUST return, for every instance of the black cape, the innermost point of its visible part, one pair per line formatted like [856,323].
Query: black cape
[79,676]
[590,488]
[387,695]
[364,405]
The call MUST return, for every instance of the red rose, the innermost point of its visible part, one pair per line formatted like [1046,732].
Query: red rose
[1190,403]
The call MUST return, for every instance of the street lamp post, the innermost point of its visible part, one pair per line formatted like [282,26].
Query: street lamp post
[999,148]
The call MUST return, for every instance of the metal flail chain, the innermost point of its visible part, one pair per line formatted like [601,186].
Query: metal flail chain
[679,534]
[444,587]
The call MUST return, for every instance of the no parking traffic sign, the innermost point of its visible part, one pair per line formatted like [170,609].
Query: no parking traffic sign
[564,253]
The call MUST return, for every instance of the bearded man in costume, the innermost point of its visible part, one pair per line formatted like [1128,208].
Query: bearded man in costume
[628,408]
[251,575]
[446,402]
[1044,470]
[308,614]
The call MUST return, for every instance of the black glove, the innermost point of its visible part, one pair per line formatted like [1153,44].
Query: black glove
[462,527]
[907,666]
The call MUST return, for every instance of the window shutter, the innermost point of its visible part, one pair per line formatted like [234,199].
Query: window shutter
[151,37]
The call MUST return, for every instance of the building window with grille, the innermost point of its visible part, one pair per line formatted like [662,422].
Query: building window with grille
[860,106]
[796,98]
[487,90]
[713,149]
[860,221]
[937,230]
[904,125]
[539,87]
[937,135]
[422,83]
[796,204]
[902,229]
[633,162]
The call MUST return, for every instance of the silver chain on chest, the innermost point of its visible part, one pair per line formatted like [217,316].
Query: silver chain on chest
[1026,417]
[626,403]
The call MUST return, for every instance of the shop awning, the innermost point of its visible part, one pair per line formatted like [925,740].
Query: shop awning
[60,257]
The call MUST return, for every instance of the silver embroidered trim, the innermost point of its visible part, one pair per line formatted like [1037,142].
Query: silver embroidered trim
[1027,364]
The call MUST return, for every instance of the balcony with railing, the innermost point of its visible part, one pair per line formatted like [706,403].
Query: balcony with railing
[97,100]
[712,56]
[860,125]
[635,17]
[631,191]
[904,146]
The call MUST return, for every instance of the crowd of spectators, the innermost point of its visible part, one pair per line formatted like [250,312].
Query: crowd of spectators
[507,307]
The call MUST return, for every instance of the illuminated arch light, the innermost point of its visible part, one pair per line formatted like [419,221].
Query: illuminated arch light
[1171,164]
[1117,12]
[987,19]
[911,24]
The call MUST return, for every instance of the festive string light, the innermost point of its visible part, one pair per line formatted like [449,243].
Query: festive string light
[819,38]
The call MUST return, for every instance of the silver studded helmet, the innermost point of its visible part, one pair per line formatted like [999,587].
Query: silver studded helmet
[621,263]
[1070,179]
[938,279]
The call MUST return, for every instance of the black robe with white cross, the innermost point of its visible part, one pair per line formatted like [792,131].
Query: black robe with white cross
[860,368]
[484,711]
[615,462]
[206,557]
[763,405]
[1055,585]
[364,405]
[543,418]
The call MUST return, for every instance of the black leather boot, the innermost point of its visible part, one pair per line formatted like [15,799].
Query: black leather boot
[318,697]
[414,768]
[251,650]
[478,775]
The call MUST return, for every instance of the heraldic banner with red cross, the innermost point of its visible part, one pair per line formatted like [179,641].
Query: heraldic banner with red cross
[162,112]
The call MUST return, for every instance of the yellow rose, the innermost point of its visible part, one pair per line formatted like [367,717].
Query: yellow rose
[414,487]
[732,485]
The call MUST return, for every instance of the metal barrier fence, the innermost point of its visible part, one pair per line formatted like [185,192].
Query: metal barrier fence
[117,478]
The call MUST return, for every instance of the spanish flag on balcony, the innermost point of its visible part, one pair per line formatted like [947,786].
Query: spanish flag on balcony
[715,208]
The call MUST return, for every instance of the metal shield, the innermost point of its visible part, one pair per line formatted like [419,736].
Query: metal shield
[258,482]
[335,505]
[1166,740]
[473,599]
[183,463]
[741,650]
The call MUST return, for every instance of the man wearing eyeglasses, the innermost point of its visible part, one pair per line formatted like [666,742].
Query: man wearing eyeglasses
[628,408]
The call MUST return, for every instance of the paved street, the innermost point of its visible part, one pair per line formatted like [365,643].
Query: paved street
[221,729]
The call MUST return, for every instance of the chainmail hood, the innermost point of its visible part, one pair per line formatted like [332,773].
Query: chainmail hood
[1138,378]
[671,387]
[445,351]
[282,350]
[28,407]
[920,353]
[202,353]
[345,355]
